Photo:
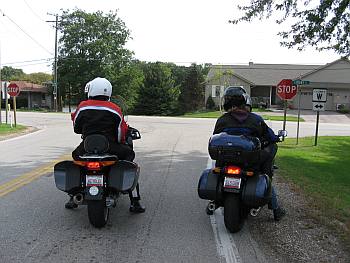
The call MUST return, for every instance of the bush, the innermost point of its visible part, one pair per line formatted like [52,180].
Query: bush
[343,109]
[210,104]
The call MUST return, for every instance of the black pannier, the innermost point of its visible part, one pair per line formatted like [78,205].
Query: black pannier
[236,149]
[67,176]
[123,176]
[257,191]
[207,185]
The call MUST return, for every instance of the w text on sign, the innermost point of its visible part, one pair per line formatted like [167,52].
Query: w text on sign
[319,95]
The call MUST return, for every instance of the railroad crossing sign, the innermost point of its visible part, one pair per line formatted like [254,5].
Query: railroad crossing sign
[286,90]
[13,90]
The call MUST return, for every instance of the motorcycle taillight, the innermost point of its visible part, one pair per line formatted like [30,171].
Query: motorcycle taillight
[232,170]
[93,165]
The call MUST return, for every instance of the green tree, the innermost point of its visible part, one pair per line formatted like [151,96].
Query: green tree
[10,73]
[38,77]
[210,104]
[159,94]
[92,45]
[192,91]
[325,25]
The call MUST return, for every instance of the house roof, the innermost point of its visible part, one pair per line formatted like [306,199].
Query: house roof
[28,86]
[263,74]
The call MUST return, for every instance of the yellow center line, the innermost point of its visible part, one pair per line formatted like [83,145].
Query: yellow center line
[27,178]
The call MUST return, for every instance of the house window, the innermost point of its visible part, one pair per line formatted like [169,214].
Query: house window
[217,91]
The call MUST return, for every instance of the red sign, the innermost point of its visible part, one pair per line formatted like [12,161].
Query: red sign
[13,90]
[286,90]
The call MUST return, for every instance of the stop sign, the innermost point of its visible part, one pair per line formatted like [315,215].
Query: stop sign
[13,89]
[286,90]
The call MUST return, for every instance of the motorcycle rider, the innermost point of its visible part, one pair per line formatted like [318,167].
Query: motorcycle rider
[239,120]
[98,115]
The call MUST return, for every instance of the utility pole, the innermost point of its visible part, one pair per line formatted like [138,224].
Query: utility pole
[55,86]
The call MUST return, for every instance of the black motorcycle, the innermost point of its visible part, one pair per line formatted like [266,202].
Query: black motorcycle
[235,182]
[97,179]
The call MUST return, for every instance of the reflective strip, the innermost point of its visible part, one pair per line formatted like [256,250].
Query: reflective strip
[102,108]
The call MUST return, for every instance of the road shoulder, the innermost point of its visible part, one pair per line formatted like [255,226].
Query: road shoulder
[302,235]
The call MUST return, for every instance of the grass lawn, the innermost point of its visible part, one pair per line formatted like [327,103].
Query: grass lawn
[322,172]
[6,129]
[217,114]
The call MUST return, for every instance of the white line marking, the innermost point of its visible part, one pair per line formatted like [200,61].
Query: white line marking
[225,244]
[22,136]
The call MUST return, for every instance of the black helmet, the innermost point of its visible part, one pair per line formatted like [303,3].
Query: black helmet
[236,97]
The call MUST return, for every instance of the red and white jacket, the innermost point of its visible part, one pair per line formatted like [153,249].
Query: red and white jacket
[100,117]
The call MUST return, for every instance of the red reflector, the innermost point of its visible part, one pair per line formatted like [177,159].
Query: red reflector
[232,170]
[93,165]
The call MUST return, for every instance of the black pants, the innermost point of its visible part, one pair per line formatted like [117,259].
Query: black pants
[123,151]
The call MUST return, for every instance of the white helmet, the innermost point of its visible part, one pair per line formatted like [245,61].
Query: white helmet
[99,87]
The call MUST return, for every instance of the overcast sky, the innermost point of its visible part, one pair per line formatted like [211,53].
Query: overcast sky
[181,31]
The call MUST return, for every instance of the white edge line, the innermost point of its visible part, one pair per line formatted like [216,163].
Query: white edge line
[225,244]
[22,136]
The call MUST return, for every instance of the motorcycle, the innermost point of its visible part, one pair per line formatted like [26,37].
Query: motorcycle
[235,182]
[97,179]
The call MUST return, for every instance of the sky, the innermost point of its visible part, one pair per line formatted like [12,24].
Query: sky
[181,31]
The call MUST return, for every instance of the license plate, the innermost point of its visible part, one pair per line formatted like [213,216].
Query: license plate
[232,182]
[94,180]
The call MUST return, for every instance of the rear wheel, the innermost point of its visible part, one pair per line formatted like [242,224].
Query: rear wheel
[233,216]
[98,212]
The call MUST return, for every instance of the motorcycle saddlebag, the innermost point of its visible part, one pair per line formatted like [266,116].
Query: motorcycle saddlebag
[257,191]
[207,186]
[67,176]
[123,176]
[233,148]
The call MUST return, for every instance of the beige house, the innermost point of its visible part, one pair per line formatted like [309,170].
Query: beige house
[260,81]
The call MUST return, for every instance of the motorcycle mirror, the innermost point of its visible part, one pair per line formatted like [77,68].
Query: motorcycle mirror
[135,134]
[282,133]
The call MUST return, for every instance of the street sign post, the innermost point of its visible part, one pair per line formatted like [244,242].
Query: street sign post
[286,91]
[319,99]
[299,82]
[14,91]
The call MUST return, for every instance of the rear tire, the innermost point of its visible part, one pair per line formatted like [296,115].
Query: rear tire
[233,216]
[98,212]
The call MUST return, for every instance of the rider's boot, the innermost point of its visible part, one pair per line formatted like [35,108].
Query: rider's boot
[135,206]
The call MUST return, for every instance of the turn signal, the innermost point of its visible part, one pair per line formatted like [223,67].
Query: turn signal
[234,170]
[93,165]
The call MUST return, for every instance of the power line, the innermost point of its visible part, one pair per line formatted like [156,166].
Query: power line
[25,32]
[27,61]
[31,9]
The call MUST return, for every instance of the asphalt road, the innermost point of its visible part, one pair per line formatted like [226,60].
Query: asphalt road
[35,226]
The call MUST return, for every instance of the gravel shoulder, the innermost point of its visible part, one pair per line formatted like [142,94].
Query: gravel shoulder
[302,235]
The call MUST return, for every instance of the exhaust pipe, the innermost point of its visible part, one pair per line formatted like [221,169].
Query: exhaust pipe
[255,211]
[111,202]
[78,199]
[210,208]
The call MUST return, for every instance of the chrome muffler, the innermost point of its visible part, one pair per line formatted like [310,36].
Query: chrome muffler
[255,211]
[78,199]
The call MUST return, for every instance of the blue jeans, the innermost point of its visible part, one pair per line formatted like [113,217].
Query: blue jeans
[274,203]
